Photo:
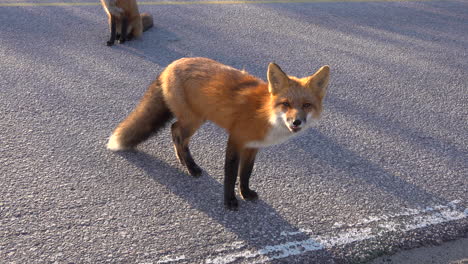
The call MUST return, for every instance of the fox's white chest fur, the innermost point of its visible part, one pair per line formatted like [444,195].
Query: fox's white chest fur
[277,134]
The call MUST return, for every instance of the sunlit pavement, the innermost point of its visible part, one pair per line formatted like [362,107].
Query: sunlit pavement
[384,170]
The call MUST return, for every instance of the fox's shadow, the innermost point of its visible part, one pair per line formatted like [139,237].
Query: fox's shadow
[255,223]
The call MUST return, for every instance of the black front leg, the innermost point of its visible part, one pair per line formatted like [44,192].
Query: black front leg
[112,28]
[247,161]
[231,168]
[123,31]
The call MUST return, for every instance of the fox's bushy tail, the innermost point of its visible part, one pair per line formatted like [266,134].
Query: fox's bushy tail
[147,21]
[147,118]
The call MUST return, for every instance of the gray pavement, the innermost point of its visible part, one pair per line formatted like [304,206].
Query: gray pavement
[452,252]
[384,171]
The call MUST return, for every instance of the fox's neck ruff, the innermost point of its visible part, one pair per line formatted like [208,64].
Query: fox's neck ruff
[276,134]
[277,131]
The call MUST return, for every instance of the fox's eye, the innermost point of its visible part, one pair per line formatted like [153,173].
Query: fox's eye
[306,105]
[286,104]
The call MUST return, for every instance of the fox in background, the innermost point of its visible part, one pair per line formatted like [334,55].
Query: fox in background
[125,20]
[255,113]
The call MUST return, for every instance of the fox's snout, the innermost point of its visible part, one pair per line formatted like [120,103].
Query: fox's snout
[295,123]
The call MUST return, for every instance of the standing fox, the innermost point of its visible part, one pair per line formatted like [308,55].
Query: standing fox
[254,113]
[125,20]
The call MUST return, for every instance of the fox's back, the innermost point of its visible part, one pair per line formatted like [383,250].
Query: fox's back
[118,8]
[211,90]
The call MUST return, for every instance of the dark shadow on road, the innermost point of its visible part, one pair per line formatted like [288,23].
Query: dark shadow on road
[366,171]
[153,46]
[455,155]
[256,223]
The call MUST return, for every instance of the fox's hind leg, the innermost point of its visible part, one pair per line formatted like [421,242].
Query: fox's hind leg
[181,133]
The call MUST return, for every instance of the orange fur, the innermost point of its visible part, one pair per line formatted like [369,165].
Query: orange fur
[254,113]
[201,89]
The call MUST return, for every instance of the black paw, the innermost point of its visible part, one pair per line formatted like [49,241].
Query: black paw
[110,43]
[194,170]
[249,195]
[231,204]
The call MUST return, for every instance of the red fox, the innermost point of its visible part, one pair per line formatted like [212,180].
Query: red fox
[125,20]
[254,113]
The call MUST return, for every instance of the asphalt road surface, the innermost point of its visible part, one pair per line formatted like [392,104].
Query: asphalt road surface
[386,169]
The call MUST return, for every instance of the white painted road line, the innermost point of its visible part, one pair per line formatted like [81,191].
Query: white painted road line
[343,234]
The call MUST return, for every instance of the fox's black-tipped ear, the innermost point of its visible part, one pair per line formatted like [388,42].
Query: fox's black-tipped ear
[319,81]
[277,79]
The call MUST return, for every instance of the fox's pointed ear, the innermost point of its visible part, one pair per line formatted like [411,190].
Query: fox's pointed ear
[319,81]
[277,79]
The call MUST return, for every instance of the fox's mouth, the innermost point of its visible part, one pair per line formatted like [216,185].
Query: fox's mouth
[294,129]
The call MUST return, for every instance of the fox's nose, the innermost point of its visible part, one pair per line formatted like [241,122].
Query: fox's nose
[297,122]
